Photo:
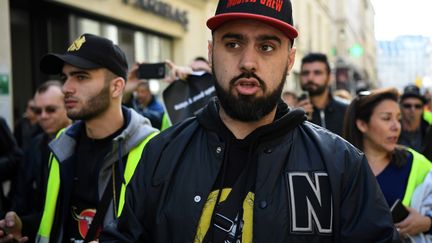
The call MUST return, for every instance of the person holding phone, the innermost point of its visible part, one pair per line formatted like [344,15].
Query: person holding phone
[323,108]
[372,124]
[138,94]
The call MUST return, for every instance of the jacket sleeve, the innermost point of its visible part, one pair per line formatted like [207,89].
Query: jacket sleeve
[10,154]
[22,190]
[365,215]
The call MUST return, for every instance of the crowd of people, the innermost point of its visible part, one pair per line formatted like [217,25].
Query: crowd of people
[87,162]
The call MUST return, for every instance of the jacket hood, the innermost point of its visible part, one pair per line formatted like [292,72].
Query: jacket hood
[285,120]
[136,130]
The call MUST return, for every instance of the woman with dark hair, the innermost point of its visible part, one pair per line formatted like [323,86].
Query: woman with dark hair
[372,124]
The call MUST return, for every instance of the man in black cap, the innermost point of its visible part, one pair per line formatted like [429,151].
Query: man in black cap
[92,160]
[416,130]
[247,168]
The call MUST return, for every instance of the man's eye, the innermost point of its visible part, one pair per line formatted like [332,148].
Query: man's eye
[232,45]
[80,77]
[267,48]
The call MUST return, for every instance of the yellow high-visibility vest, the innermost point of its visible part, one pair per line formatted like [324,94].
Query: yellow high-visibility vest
[53,187]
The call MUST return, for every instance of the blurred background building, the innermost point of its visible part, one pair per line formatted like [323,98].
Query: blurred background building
[405,60]
[155,30]
[342,29]
[147,30]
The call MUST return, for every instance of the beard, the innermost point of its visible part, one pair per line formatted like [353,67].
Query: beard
[247,108]
[95,106]
[314,89]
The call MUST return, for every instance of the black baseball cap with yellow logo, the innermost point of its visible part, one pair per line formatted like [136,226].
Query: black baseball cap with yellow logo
[276,13]
[88,52]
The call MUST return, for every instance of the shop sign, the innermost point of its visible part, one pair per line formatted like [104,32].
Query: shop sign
[162,9]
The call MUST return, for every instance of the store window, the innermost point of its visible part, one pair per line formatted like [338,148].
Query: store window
[138,45]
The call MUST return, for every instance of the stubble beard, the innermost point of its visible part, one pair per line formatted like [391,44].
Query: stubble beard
[315,92]
[95,106]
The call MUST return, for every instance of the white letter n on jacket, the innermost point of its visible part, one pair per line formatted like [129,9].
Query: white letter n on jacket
[311,202]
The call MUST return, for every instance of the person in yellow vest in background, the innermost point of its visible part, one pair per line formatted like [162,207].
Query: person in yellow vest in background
[91,161]
[428,105]
[416,123]
[372,124]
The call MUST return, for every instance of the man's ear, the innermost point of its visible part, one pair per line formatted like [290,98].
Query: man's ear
[210,52]
[361,125]
[117,86]
[291,58]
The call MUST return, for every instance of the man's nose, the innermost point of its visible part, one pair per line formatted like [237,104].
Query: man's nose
[68,86]
[249,60]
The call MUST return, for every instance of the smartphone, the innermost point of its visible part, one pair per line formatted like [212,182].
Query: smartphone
[398,211]
[303,96]
[151,71]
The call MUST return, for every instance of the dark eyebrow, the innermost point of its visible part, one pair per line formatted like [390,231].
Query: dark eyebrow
[269,37]
[233,36]
[79,72]
[72,73]
[260,38]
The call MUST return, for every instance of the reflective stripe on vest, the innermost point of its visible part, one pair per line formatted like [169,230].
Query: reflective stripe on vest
[43,235]
[53,186]
[132,162]
[165,122]
[427,116]
[419,170]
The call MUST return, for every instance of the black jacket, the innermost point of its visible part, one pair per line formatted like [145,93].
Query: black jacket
[179,167]
[10,159]
[30,185]
[332,117]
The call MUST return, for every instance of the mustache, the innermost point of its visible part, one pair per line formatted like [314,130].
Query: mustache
[310,83]
[248,75]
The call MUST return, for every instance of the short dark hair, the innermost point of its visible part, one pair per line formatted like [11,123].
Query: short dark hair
[143,83]
[47,84]
[316,57]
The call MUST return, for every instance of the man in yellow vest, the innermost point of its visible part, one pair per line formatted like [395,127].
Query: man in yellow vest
[92,160]
[416,122]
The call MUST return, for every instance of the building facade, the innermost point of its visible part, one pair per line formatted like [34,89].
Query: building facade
[147,30]
[156,30]
[404,60]
[342,29]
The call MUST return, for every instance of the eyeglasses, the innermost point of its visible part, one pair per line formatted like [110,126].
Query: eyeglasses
[48,109]
[410,106]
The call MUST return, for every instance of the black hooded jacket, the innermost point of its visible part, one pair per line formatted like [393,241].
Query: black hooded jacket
[310,186]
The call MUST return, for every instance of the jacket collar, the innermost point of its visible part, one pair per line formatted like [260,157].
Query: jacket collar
[137,129]
[209,118]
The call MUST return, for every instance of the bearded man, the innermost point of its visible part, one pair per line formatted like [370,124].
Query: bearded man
[323,108]
[247,168]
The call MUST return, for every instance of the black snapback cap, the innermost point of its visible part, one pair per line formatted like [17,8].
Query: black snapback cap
[412,91]
[277,13]
[88,52]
